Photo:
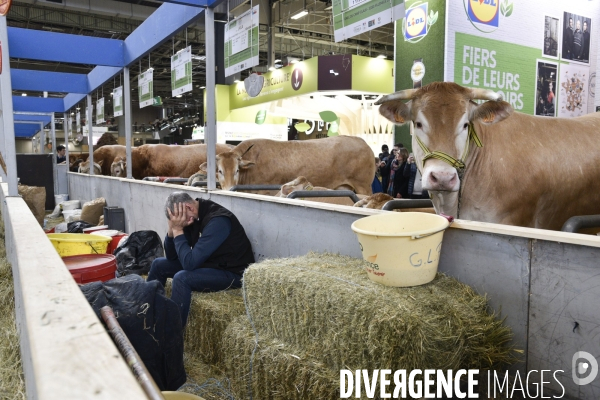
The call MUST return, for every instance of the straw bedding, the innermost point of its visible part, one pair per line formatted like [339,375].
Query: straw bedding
[326,305]
[12,385]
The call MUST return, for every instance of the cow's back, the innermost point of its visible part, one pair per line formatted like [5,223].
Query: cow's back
[534,171]
[337,162]
[170,160]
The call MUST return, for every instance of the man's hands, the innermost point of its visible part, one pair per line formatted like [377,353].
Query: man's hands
[179,218]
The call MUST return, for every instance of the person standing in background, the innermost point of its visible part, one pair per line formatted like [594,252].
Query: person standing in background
[567,50]
[586,42]
[60,154]
[577,42]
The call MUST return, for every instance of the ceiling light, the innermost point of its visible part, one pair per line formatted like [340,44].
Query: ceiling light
[178,96]
[24,94]
[382,56]
[329,7]
[299,14]
[202,87]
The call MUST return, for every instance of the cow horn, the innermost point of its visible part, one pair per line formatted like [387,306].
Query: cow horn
[401,95]
[485,94]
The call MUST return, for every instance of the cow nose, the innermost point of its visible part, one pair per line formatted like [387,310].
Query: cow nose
[443,180]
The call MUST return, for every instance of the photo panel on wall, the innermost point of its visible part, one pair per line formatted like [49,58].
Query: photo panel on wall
[573,90]
[576,37]
[545,88]
[551,36]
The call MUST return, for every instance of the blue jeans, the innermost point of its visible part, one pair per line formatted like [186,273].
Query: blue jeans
[184,282]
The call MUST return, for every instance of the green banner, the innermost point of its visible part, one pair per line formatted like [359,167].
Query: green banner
[354,17]
[181,72]
[241,42]
[146,88]
[118,101]
[505,68]
[100,111]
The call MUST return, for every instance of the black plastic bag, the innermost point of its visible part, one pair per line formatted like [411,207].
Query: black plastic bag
[78,226]
[151,321]
[136,253]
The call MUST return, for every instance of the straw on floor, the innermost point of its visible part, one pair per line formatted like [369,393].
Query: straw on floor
[12,384]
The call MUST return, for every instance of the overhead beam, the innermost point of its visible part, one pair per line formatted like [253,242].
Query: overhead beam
[167,20]
[33,118]
[38,104]
[72,99]
[194,3]
[99,75]
[62,82]
[64,47]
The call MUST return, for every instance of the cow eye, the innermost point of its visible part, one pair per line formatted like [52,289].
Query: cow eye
[418,125]
[221,172]
[466,125]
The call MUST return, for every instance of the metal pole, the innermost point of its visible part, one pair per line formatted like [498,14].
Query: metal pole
[55,153]
[7,110]
[90,133]
[127,110]
[66,130]
[211,124]
[42,139]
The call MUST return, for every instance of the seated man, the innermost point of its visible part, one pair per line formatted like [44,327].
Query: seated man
[206,249]
[60,154]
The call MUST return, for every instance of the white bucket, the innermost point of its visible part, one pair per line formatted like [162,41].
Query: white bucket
[70,205]
[59,198]
[403,249]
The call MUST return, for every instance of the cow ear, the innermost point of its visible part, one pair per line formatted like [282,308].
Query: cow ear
[491,112]
[100,162]
[286,189]
[203,167]
[246,164]
[396,111]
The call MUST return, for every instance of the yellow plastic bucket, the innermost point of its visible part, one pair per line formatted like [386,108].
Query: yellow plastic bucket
[72,244]
[403,249]
[180,396]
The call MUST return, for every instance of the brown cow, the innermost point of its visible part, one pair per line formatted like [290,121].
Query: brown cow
[107,155]
[84,167]
[301,183]
[163,160]
[376,201]
[339,162]
[511,179]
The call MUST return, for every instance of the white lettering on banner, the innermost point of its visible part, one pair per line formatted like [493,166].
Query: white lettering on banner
[479,71]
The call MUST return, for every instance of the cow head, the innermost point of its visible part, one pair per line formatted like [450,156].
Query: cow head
[440,115]
[300,183]
[119,167]
[230,166]
[84,167]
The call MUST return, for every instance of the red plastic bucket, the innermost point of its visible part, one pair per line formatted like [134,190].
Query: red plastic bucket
[87,268]
[112,246]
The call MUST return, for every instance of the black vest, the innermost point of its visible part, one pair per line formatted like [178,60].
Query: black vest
[235,253]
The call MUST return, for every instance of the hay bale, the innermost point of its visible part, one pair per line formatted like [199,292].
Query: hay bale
[35,198]
[210,313]
[275,370]
[326,305]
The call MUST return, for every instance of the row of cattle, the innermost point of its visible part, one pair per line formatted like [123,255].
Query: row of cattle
[341,162]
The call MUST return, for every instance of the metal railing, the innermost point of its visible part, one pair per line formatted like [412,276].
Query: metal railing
[239,188]
[574,224]
[323,193]
[407,203]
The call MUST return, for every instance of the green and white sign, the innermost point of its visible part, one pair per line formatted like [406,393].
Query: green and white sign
[118,101]
[241,42]
[353,17]
[146,88]
[492,64]
[181,72]
[100,111]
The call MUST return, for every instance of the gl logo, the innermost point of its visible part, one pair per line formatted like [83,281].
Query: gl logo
[583,364]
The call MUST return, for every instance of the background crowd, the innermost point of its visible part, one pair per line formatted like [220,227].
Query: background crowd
[399,175]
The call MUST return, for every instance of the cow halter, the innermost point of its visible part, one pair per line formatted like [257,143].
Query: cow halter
[447,158]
